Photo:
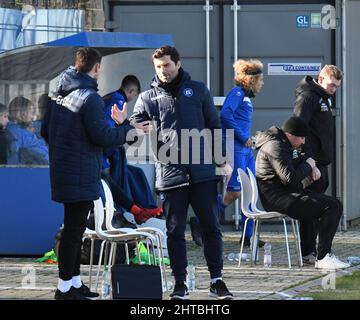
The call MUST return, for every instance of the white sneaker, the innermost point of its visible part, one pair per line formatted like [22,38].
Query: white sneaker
[330,262]
[345,264]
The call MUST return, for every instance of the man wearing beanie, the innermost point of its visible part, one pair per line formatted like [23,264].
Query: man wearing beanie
[283,172]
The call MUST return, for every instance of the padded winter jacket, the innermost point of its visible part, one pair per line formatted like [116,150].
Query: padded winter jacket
[183,104]
[76,130]
[280,170]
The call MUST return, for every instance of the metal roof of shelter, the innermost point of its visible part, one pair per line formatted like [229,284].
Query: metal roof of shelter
[45,61]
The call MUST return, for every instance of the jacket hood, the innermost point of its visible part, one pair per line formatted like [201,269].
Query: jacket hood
[273,133]
[71,80]
[309,84]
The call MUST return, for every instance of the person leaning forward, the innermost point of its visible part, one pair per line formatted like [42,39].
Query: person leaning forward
[283,173]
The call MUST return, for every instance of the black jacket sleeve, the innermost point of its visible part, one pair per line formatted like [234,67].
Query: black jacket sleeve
[280,159]
[304,108]
[140,113]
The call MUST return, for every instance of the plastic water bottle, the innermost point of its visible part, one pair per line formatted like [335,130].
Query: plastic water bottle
[169,285]
[106,285]
[235,257]
[267,254]
[231,256]
[191,277]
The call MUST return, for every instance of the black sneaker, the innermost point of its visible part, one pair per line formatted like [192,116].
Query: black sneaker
[72,294]
[220,291]
[180,292]
[247,242]
[85,291]
[309,259]
[195,231]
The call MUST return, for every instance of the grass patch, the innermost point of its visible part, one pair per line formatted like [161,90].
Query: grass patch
[346,288]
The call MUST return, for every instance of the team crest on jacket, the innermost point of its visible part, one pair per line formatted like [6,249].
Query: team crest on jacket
[188,92]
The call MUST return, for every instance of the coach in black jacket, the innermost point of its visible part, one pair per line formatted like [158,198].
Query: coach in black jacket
[175,102]
[282,174]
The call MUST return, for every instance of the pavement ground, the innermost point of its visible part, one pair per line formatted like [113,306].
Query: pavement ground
[24,279]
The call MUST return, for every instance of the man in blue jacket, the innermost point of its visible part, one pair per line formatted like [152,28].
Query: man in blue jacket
[128,184]
[176,103]
[25,147]
[76,131]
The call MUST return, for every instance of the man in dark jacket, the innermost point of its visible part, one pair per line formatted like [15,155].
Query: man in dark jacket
[128,183]
[282,174]
[176,103]
[76,131]
[313,105]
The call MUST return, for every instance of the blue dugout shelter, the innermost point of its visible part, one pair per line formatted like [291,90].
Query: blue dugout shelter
[29,219]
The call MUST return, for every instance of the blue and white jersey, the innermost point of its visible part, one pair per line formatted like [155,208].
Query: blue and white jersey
[236,114]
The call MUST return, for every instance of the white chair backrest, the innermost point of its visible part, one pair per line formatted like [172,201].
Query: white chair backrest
[246,192]
[99,217]
[255,191]
[256,204]
[109,205]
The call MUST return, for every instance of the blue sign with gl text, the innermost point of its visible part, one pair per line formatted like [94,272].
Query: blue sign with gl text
[302,21]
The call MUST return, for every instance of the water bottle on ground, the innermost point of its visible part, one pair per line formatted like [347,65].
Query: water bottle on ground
[231,256]
[106,285]
[169,285]
[267,254]
[191,277]
[235,257]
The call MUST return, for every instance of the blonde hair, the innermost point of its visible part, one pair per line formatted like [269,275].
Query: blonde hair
[247,72]
[331,71]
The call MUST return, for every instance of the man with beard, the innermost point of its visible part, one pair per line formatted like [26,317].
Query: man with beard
[174,103]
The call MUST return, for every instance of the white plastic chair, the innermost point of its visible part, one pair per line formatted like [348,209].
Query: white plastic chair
[249,200]
[294,222]
[123,235]
[157,233]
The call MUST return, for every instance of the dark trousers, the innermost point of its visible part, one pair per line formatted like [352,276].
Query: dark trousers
[321,215]
[309,230]
[75,219]
[203,199]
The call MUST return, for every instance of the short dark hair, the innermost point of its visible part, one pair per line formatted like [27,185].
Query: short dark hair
[130,80]
[166,51]
[86,58]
